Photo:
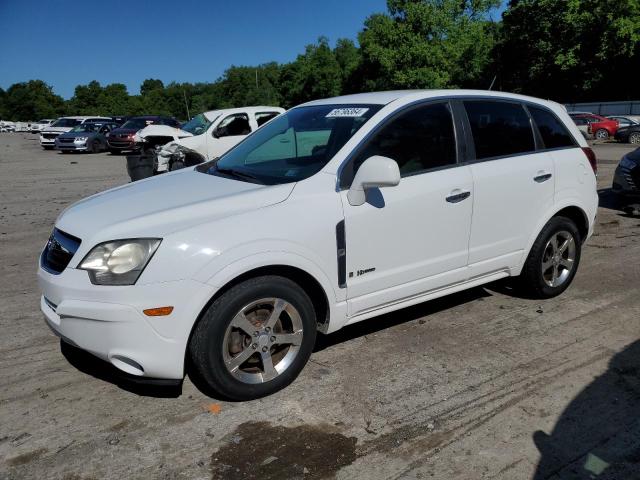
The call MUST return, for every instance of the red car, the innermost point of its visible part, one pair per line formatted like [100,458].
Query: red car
[600,127]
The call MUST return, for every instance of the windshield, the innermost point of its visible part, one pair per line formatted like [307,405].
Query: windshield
[197,125]
[86,127]
[137,123]
[295,145]
[65,122]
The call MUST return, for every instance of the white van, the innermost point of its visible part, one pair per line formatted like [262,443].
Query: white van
[206,136]
[337,211]
[49,134]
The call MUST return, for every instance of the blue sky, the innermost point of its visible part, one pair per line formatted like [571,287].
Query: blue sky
[66,43]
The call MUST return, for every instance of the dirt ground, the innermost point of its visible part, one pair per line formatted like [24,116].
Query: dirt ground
[480,384]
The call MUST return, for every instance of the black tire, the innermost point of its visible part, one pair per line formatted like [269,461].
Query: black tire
[531,280]
[114,151]
[602,134]
[95,146]
[48,148]
[634,138]
[176,165]
[206,345]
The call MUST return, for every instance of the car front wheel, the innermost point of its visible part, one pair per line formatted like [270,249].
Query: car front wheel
[254,339]
[553,260]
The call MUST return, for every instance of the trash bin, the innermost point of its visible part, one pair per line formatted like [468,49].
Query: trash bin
[140,166]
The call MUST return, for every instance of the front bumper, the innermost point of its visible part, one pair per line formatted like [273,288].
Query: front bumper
[121,144]
[74,147]
[109,321]
[47,142]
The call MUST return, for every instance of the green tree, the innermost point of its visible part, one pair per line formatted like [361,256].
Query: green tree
[85,99]
[348,57]
[315,74]
[427,44]
[571,49]
[32,100]
[114,100]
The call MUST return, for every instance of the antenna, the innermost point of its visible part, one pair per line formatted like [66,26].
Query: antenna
[492,82]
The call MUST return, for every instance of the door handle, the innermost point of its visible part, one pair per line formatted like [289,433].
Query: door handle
[542,177]
[458,196]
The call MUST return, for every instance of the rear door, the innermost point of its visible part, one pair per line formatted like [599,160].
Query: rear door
[513,184]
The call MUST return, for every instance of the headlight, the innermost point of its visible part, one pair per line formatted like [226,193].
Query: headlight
[626,162]
[80,140]
[119,262]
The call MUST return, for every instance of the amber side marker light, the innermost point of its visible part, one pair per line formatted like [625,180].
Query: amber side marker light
[158,312]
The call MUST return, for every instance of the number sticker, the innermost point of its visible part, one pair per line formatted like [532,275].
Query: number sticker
[347,112]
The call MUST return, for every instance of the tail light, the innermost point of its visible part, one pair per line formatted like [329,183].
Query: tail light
[591,156]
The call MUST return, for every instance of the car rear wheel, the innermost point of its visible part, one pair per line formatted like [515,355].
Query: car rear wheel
[254,339]
[634,138]
[602,134]
[553,260]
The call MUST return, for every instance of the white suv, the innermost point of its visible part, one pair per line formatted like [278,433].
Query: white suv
[336,211]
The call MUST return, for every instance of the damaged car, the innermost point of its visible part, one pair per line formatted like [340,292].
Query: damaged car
[205,137]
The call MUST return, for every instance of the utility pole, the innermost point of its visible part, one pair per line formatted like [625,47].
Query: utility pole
[184,94]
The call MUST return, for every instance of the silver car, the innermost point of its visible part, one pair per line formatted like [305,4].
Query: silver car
[86,137]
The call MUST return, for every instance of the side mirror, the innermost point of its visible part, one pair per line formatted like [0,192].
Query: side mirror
[375,172]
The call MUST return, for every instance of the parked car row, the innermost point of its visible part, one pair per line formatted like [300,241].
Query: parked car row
[623,128]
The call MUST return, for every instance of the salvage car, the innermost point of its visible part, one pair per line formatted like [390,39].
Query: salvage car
[630,134]
[122,138]
[62,125]
[626,180]
[87,137]
[206,136]
[597,126]
[337,211]
[41,124]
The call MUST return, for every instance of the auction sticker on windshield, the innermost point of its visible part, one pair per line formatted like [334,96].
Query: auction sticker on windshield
[347,112]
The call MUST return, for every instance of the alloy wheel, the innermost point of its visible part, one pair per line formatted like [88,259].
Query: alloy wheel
[558,258]
[262,340]
[634,138]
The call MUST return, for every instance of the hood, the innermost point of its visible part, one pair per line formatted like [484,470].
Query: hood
[159,205]
[76,134]
[123,131]
[50,129]
[161,131]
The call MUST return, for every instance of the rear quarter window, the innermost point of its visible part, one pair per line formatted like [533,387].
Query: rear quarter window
[553,132]
[499,128]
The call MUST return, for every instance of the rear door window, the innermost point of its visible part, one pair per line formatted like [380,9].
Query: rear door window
[499,128]
[264,117]
[554,133]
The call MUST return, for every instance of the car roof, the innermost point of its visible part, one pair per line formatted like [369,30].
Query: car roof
[254,109]
[384,98]
[84,117]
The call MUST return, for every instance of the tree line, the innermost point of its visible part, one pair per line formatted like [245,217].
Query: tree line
[565,50]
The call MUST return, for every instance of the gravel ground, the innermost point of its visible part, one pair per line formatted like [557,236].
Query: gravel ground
[480,384]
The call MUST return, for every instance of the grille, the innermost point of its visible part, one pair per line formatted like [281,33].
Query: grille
[65,140]
[58,252]
[50,136]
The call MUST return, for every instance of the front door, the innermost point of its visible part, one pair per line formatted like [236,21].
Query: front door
[412,238]
[229,131]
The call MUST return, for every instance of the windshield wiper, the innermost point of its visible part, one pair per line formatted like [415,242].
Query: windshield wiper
[236,173]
